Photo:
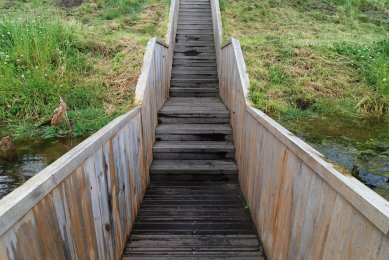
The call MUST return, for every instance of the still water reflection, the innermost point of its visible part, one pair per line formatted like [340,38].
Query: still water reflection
[32,157]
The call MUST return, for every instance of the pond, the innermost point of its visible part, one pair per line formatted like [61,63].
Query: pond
[359,145]
[32,156]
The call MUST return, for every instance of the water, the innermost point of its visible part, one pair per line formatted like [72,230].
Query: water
[32,157]
[359,145]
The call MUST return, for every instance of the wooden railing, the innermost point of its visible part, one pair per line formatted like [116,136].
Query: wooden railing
[84,204]
[303,208]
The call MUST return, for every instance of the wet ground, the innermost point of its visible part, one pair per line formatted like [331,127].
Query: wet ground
[359,145]
[31,157]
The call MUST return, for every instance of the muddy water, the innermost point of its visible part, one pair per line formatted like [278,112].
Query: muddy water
[360,145]
[32,157]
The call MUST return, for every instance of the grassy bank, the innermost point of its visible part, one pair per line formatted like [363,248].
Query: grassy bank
[321,68]
[314,57]
[90,55]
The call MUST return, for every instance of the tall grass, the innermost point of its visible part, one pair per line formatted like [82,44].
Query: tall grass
[40,60]
[372,62]
[117,8]
[90,55]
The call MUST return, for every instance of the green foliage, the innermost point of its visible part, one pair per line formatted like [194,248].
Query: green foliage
[372,61]
[278,76]
[86,121]
[39,62]
[89,55]
[116,8]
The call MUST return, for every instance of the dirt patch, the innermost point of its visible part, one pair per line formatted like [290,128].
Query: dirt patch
[324,7]
[301,53]
[304,103]
[69,3]
[375,14]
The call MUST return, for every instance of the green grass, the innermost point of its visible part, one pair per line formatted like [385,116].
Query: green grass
[332,55]
[90,55]
[321,68]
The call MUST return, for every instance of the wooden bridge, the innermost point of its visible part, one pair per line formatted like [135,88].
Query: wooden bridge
[193,172]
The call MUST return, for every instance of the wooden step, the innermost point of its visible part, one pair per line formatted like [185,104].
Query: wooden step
[201,49]
[193,82]
[192,101]
[193,42]
[194,92]
[197,197]
[194,69]
[194,76]
[194,167]
[195,26]
[195,52]
[190,13]
[195,31]
[198,72]
[194,112]
[193,120]
[185,240]
[203,111]
[193,63]
[189,58]
[193,150]
[193,170]
[190,257]
[193,147]
[195,36]
[191,228]
[181,22]
[193,129]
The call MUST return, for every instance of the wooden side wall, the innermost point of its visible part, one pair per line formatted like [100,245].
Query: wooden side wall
[152,90]
[303,208]
[84,204]
[217,30]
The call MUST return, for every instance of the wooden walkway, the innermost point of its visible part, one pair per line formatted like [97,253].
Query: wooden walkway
[193,207]
[97,200]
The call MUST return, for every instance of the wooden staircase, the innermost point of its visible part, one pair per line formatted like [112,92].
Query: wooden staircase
[193,207]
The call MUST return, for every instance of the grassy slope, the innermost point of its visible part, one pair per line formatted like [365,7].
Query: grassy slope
[90,55]
[320,61]
[314,57]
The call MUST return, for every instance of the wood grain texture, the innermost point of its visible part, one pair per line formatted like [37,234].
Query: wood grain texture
[89,214]
[83,205]
[302,206]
